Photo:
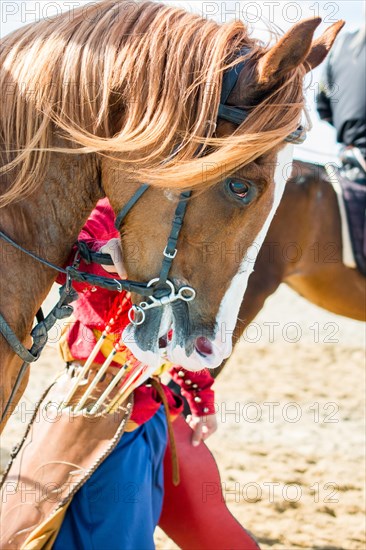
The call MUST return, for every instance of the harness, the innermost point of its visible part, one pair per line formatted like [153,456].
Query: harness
[159,292]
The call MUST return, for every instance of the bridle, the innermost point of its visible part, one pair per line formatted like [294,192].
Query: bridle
[159,291]
[163,290]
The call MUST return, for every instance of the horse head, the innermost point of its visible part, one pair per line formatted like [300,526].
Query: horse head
[224,225]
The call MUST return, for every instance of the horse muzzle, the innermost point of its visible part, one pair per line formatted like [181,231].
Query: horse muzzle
[167,334]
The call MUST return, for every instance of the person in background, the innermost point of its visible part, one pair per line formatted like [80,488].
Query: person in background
[341,100]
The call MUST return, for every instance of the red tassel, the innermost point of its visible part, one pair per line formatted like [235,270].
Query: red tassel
[116,318]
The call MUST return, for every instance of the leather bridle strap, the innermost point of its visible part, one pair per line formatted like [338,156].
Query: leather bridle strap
[91,257]
[127,207]
[236,115]
[160,290]
[72,274]
[14,342]
[116,285]
[40,337]
[170,251]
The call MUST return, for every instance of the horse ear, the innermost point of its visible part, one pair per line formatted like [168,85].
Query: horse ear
[289,52]
[322,45]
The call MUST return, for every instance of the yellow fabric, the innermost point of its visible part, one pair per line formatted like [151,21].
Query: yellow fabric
[107,347]
[63,346]
[44,536]
[131,426]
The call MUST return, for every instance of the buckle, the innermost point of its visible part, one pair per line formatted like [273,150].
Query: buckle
[169,255]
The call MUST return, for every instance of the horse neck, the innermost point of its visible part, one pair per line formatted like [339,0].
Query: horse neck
[47,223]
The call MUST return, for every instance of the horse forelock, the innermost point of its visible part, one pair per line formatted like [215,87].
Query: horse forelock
[132,80]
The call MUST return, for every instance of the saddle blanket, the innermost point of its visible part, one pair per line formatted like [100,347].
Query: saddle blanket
[351,196]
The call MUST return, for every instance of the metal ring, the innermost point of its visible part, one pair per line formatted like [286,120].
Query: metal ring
[136,310]
[157,280]
[191,296]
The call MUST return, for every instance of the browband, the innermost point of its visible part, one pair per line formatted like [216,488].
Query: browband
[237,116]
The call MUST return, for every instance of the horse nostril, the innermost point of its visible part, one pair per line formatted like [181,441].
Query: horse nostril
[163,342]
[203,346]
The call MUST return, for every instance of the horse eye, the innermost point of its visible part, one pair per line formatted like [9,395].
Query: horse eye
[240,189]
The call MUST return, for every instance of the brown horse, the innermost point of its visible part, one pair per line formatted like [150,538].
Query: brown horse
[303,248]
[89,107]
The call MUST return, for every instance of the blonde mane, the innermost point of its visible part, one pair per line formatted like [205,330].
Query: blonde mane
[134,81]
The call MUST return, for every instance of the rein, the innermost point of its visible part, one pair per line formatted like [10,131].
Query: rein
[72,274]
[39,334]
[160,291]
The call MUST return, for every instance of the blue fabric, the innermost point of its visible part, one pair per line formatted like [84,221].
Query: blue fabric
[118,508]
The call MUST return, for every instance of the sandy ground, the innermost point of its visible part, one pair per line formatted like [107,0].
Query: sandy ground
[291,439]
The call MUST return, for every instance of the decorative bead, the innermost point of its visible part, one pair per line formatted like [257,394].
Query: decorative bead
[93,289]
[188,382]
[181,374]
[206,409]
[197,399]
[194,386]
